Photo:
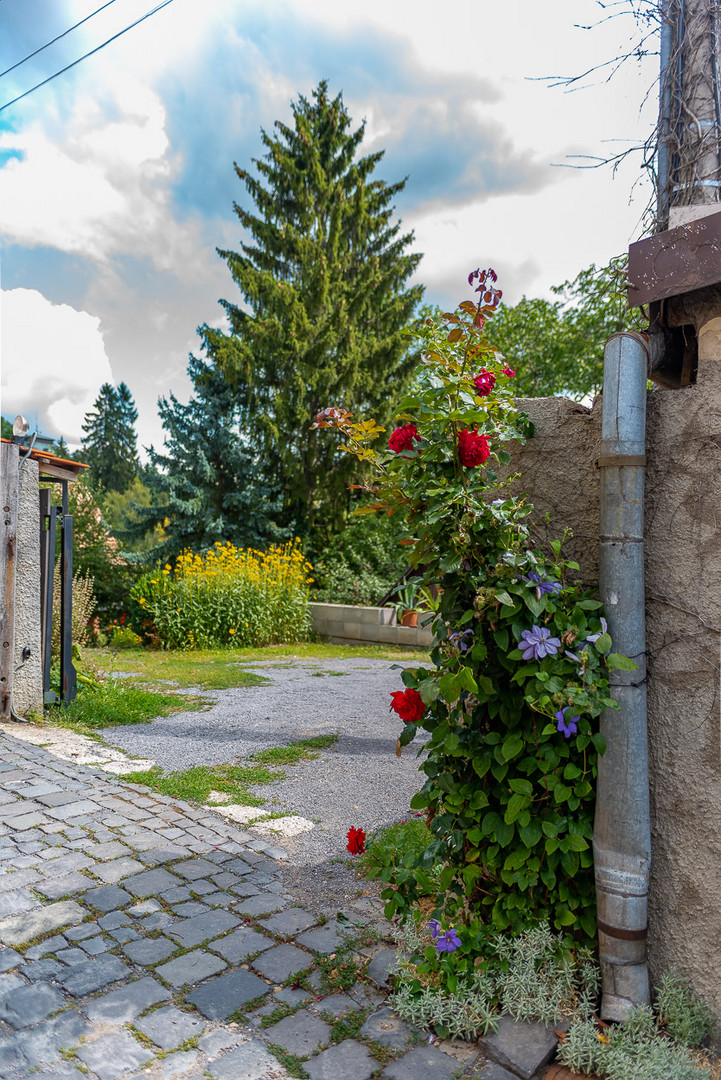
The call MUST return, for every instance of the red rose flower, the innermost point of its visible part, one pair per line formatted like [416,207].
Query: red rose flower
[356,841]
[409,706]
[472,448]
[484,382]
[507,371]
[402,438]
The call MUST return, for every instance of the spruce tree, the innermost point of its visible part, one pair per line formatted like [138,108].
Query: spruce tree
[323,276]
[109,444]
[205,486]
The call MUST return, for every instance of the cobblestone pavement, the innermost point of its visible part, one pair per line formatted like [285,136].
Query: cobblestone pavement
[141,937]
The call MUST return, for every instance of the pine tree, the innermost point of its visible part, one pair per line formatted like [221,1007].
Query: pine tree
[109,444]
[205,485]
[324,281]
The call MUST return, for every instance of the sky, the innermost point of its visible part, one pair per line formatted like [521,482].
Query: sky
[117,182]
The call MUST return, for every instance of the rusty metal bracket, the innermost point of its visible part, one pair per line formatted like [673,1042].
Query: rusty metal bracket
[623,935]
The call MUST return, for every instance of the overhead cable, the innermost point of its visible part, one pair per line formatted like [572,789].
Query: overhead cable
[49,43]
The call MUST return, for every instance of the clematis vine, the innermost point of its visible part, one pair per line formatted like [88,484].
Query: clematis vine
[543,588]
[537,643]
[459,640]
[566,727]
[448,942]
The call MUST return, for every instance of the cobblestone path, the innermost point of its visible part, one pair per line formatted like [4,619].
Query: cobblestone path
[143,938]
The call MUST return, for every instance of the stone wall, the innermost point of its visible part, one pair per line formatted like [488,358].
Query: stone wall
[683,626]
[346,624]
[28,676]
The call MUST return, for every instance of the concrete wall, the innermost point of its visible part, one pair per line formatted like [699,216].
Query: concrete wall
[683,625]
[345,624]
[28,677]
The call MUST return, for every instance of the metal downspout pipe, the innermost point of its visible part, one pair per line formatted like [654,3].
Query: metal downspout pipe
[622,832]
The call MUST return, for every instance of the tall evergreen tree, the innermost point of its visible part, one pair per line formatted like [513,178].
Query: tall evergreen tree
[109,444]
[323,277]
[205,486]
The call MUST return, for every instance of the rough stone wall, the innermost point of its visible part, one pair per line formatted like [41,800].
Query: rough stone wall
[683,627]
[28,677]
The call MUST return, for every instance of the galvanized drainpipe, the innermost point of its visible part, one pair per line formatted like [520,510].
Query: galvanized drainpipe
[622,840]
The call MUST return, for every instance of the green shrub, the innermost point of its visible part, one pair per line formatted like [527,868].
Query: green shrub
[393,846]
[682,1013]
[226,596]
[362,563]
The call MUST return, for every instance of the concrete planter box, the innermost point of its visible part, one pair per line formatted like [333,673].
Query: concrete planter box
[346,624]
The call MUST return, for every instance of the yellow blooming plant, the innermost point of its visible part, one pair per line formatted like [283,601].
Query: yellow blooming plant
[230,596]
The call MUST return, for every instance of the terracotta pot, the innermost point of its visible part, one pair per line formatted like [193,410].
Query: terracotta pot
[409,618]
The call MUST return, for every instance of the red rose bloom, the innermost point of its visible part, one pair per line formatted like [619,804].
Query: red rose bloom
[507,371]
[356,841]
[409,706]
[402,438]
[472,448]
[484,382]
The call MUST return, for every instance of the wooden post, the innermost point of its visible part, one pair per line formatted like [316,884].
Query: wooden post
[9,480]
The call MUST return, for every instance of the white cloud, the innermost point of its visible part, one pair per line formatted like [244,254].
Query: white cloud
[53,362]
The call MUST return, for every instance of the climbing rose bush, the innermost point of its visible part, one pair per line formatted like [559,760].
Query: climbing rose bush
[509,708]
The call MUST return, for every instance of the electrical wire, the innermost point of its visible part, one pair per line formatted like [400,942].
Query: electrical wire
[49,43]
[158,7]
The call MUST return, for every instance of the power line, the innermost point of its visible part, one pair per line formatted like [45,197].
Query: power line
[158,7]
[49,43]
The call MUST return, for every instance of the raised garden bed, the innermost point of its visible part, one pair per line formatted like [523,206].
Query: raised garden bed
[346,624]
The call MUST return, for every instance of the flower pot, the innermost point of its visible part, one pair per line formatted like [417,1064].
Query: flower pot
[409,618]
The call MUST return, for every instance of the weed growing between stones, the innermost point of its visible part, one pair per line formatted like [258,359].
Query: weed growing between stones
[347,1027]
[340,970]
[292,1064]
[303,750]
[195,784]
[681,1013]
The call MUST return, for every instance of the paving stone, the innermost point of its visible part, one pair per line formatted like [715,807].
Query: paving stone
[220,899]
[115,871]
[112,1055]
[41,969]
[16,901]
[157,855]
[215,1042]
[11,1057]
[150,882]
[201,928]
[30,1004]
[219,998]
[261,904]
[65,885]
[245,888]
[110,849]
[177,895]
[301,1034]
[194,869]
[326,939]
[386,1028]
[238,866]
[422,1063]
[123,1005]
[22,822]
[382,967]
[80,933]
[191,968]
[149,950]
[71,957]
[349,1060]
[42,1044]
[93,975]
[9,959]
[169,1027]
[281,962]
[63,1070]
[145,907]
[96,945]
[113,920]
[492,1071]
[159,921]
[107,897]
[50,945]
[71,810]
[251,1061]
[238,946]
[519,1046]
[337,1005]
[21,928]
[190,908]
[289,922]
[178,1064]
[9,983]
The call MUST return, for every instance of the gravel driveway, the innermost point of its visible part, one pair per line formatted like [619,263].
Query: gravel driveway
[359,781]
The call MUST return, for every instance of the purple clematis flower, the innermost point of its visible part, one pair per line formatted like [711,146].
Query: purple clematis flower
[435,928]
[537,643]
[458,639]
[449,941]
[593,638]
[566,727]
[542,587]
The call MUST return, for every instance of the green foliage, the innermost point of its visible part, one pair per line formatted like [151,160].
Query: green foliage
[111,702]
[205,487]
[362,562]
[109,444]
[6,428]
[682,1013]
[509,793]
[226,597]
[83,607]
[197,784]
[123,637]
[323,277]
[393,846]
[303,750]
[556,346]
[123,514]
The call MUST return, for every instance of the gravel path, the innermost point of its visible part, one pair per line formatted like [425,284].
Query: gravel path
[359,781]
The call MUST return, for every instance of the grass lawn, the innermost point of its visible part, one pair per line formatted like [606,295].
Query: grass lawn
[221,669]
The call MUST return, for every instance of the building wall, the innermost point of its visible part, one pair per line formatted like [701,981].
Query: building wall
[683,626]
[28,677]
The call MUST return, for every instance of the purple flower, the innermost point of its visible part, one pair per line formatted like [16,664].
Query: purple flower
[593,638]
[457,639]
[449,941]
[575,656]
[566,727]
[537,643]
[435,927]
[542,587]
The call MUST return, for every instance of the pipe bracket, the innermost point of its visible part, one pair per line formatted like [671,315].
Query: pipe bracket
[619,461]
